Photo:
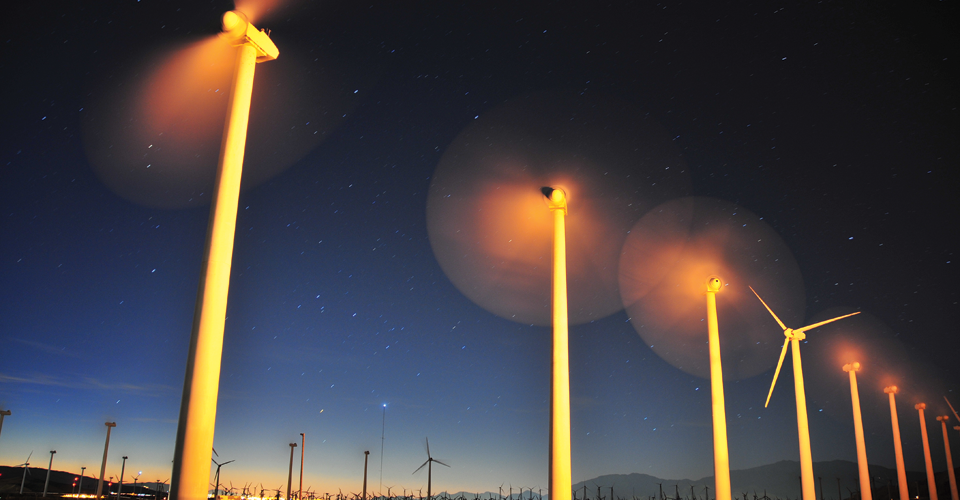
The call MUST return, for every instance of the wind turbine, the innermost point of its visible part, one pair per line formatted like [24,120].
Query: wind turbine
[793,338]
[897,446]
[290,473]
[26,469]
[931,480]
[429,465]
[673,258]
[49,467]
[198,407]
[216,479]
[946,446]
[561,478]
[3,413]
[866,492]
[103,464]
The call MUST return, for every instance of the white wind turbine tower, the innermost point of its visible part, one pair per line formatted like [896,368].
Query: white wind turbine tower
[26,468]
[429,464]
[793,338]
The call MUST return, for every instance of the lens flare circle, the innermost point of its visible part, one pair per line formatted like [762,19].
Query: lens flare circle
[153,133]
[664,269]
[488,220]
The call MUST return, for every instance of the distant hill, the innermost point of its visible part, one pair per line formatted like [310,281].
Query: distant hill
[840,480]
[777,480]
[60,482]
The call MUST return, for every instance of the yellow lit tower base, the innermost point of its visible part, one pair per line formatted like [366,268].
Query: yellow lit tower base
[892,390]
[865,488]
[561,482]
[931,481]
[198,408]
[721,457]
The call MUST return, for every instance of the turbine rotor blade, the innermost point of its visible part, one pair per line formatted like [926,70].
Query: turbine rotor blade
[441,463]
[428,447]
[768,309]
[776,374]
[811,327]
[418,468]
[951,408]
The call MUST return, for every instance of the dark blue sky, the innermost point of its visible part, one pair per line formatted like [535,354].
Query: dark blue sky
[836,124]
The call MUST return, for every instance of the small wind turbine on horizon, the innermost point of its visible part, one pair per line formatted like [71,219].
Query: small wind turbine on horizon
[429,465]
[216,479]
[793,338]
[26,469]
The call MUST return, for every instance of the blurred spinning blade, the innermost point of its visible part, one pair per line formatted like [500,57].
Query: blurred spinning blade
[153,133]
[488,221]
[665,262]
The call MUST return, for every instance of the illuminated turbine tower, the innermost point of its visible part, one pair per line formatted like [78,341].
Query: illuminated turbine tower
[865,490]
[931,481]
[103,465]
[793,338]
[946,446]
[721,457]
[897,447]
[560,473]
[198,408]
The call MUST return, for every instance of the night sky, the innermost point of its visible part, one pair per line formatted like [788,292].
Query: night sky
[834,124]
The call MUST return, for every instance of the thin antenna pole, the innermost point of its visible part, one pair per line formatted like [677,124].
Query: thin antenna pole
[383,429]
[303,445]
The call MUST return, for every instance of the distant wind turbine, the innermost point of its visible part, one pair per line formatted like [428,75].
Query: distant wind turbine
[216,479]
[793,338]
[26,470]
[429,465]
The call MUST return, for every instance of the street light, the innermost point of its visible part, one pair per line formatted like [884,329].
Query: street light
[198,407]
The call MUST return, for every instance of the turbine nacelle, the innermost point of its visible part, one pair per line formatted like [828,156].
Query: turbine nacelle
[714,284]
[239,31]
[556,198]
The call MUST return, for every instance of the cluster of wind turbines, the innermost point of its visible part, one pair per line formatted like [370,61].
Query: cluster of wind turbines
[79,479]
[192,456]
